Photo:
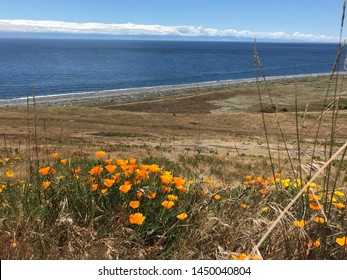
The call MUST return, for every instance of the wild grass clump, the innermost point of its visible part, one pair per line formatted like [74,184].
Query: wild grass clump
[66,205]
[108,207]
[249,209]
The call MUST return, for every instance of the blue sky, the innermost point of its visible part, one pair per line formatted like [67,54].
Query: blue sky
[303,20]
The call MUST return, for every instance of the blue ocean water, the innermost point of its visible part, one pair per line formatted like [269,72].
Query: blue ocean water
[58,66]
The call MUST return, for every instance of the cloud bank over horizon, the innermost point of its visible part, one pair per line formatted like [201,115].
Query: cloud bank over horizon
[34,26]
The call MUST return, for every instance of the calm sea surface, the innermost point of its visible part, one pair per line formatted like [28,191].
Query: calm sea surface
[69,66]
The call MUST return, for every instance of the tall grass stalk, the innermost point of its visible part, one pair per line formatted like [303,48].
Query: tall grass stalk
[35,129]
[28,125]
[257,64]
[259,67]
[299,194]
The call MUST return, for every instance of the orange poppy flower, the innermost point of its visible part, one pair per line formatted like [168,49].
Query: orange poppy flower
[182,216]
[96,170]
[44,170]
[259,179]
[152,195]
[139,195]
[339,205]
[154,168]
[9,174]
[55,155]
[242,205]
[240,257]
[108,183]
[63,162]
[315,206]
[76,170]
[166,177]
[100,154]
[301,223]
[172,197]
[144,166]
[120,161]
[94,187]
[126,187]
[141,174]
[255,257]
[167,204]
[110,168]
[264,191]
[178,181]
[166,189]
[208,181]
[319,220]
[134,204]
[342,241]
[217,197]
[46,184]
[52,171]
[182,189]
[108,161]
[136,219]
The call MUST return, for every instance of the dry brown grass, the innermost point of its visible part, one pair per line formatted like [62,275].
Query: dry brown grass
[214,122]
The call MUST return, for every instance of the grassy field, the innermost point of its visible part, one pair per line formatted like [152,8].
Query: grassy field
[196,175]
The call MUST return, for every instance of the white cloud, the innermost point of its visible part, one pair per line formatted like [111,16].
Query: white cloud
[142,29]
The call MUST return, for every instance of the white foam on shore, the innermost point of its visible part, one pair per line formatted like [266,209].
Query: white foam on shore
[65,98]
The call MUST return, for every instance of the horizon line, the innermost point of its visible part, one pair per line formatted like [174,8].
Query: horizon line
[96,37]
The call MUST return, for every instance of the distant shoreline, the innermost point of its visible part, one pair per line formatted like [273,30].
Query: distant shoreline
[131,94]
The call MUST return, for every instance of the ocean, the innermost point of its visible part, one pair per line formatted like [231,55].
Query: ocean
[60,66]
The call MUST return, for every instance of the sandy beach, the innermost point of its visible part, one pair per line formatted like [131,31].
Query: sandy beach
[132,94]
